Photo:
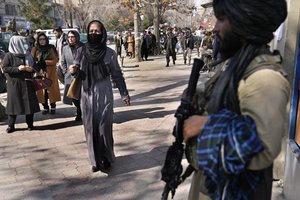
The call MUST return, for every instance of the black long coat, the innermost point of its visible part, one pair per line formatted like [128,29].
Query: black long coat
[21,95]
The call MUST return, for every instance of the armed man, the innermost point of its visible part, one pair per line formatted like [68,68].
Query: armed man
[246,104]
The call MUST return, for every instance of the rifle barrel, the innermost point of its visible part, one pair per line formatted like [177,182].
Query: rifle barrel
[197,66]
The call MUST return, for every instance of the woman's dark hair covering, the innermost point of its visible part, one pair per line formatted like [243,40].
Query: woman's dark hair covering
[77,36]
[96,52]
[38,42]
[102,28]
[254,20]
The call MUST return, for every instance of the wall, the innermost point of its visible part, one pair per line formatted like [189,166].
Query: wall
[291,37]
[292,165]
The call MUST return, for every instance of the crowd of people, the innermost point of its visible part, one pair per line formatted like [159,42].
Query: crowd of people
[240,107]
[93,63]
[172,42]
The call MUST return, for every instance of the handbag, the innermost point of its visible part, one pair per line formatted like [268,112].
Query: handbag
[74,89]
[41,83]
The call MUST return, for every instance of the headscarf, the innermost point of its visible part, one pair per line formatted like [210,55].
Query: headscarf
[77,37]
[18,46]
[44,50]
[253,20]
[76,45]
[94,66]
[96,52]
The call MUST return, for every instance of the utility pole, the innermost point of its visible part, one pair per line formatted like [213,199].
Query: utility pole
[137,37]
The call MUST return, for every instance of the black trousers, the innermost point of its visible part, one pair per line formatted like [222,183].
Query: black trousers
[45,105]
[77,104]
[264,187]
[12,120]
[144,52]
[172,54]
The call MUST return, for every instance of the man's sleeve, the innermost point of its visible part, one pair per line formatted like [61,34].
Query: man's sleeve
[265,96]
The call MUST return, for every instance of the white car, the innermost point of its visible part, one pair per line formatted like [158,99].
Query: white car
[52,39]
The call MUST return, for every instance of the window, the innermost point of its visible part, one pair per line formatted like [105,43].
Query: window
[295,103]
[10,10]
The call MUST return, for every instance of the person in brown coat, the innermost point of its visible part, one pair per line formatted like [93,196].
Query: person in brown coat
[130,41]
[45,57]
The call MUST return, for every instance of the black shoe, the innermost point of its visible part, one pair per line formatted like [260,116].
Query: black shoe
[30,128]
[106,164]
[173,62]
[45,111]
[95,169]
[78,118]
[52,111]
[10,129]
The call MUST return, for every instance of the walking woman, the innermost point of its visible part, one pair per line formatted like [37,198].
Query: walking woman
[131,43]
[21,97]
[71,54]
[97,65]
[45,57]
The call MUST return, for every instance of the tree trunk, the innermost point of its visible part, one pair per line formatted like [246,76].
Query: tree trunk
[156,22]
[137,51]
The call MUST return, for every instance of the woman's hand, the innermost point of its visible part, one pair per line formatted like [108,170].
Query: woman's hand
[21,68]
[193,126]
[73,69]
[25,68]
[126,101]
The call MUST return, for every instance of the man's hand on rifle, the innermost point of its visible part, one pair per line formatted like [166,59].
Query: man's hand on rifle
[193,126]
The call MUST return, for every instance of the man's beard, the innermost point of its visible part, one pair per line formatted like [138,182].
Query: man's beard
[229,44]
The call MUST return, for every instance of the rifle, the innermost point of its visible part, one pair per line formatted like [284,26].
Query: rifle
[172,169]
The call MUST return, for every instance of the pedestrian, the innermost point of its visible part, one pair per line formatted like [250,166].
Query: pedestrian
[169,45]
[61,41]
[130,43]
[206,49]
[188,46]
[119,43]
[21,97]
[153,43]
[247,104]
[99,62]
[45,57]
[31,40]
[145,45]
[71,55]
[125,38]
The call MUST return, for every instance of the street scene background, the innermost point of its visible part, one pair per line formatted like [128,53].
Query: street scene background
[51,162]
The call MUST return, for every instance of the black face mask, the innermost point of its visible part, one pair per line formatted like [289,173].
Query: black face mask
[95,38]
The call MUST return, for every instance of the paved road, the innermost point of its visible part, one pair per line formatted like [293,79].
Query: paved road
[51,162]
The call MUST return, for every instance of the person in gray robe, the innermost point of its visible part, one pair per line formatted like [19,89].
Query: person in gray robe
[71,54]
[97,65]
[21,97]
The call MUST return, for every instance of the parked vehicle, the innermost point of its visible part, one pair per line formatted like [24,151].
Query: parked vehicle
[49,32]
[110,37]
[4,40]
[83,37]
[52,39]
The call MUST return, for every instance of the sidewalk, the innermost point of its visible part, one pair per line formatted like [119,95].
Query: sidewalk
[51,162]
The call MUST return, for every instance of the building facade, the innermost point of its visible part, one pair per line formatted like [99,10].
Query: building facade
[9,11]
